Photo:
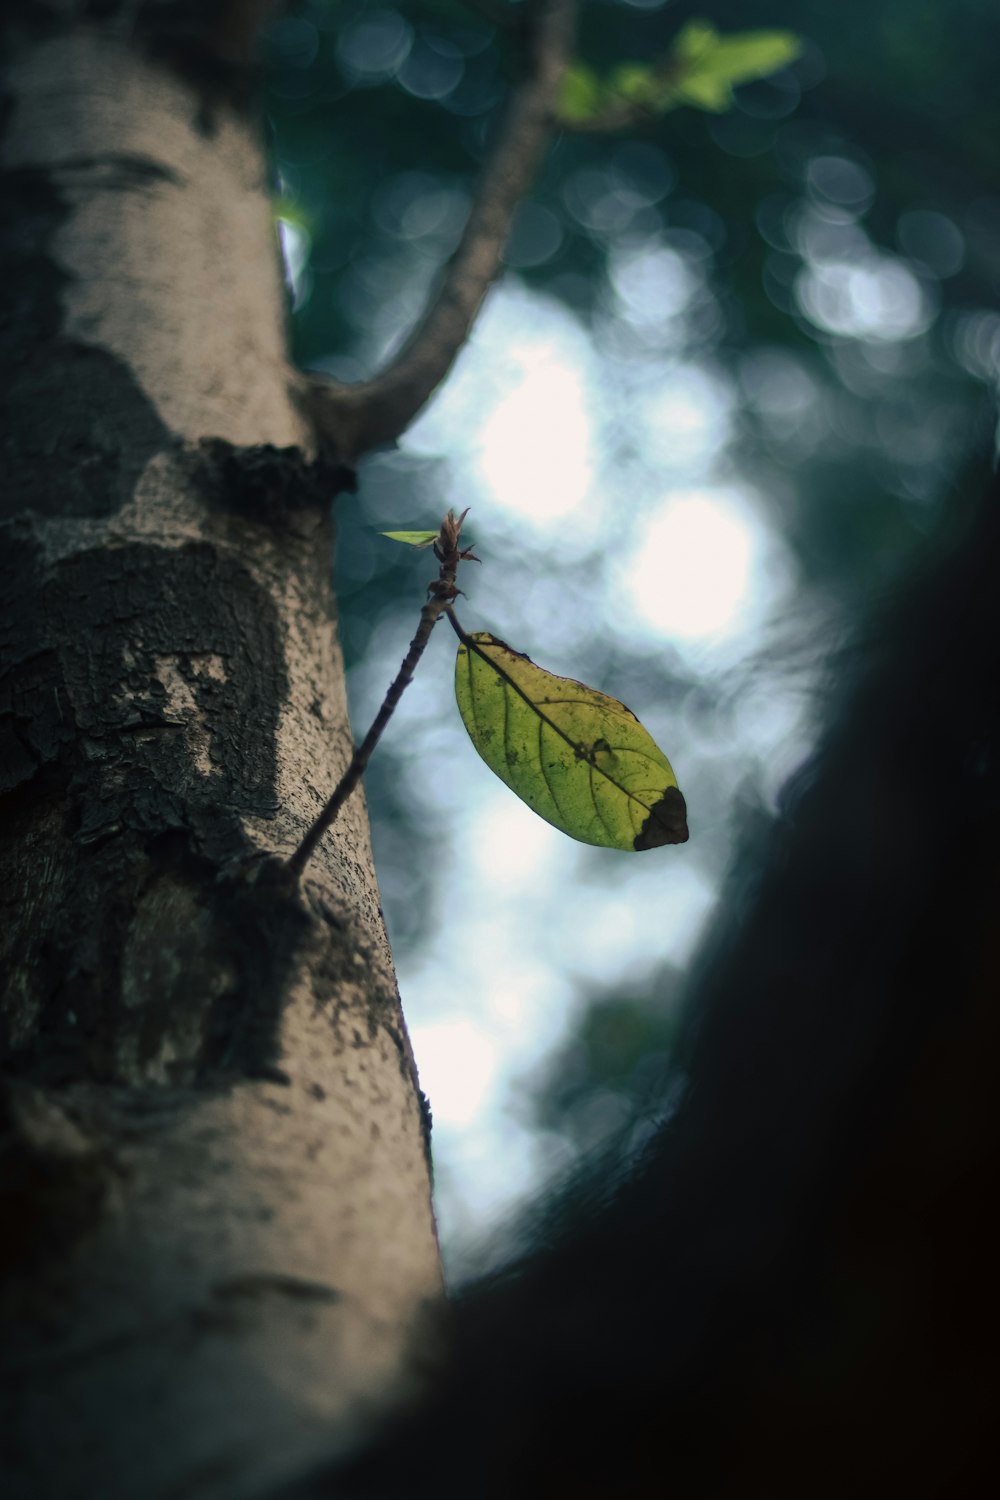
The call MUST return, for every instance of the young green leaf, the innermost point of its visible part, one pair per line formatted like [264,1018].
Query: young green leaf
[701,70]
[582,94]
[413,538]
[637,83]
[708,66]
[580,759]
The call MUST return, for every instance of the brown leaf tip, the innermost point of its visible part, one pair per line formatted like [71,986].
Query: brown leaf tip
[666,824]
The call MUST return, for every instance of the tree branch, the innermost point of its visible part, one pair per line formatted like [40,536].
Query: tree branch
[363,416]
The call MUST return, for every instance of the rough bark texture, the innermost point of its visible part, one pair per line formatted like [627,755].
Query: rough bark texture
[213,1173]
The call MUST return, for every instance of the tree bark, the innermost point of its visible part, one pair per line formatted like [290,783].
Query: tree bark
[218,1238]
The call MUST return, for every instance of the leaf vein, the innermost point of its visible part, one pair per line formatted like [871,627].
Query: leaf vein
[518,769]
[544,769]
[472,694]
[597,806]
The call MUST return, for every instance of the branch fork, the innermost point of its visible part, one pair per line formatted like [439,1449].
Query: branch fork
[353,419]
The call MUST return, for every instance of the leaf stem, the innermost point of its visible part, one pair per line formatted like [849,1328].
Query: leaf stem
[463,635]
[443,591]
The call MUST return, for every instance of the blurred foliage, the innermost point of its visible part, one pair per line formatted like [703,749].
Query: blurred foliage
[613,1067]
[702,68]
[840,223]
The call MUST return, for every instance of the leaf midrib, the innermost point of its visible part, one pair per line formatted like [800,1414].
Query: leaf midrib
[471,645]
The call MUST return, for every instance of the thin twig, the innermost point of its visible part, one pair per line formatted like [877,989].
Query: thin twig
[359,760]
[615,117]
[377,411]
[443,592]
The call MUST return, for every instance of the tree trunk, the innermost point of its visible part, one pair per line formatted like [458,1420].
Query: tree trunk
[217,1231]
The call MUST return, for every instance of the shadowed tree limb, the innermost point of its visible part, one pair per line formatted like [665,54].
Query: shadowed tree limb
[356,418]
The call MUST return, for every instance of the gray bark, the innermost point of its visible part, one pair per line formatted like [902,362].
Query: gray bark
[218,1240]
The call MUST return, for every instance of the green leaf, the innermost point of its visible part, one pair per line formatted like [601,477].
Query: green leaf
[747,55]
[580,759]
[412,538]
[582,94]
[636,83]
[709,66]
[702,69]
[695,39]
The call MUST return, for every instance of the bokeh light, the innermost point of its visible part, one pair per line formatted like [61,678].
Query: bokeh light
[695,572]
[535,446]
